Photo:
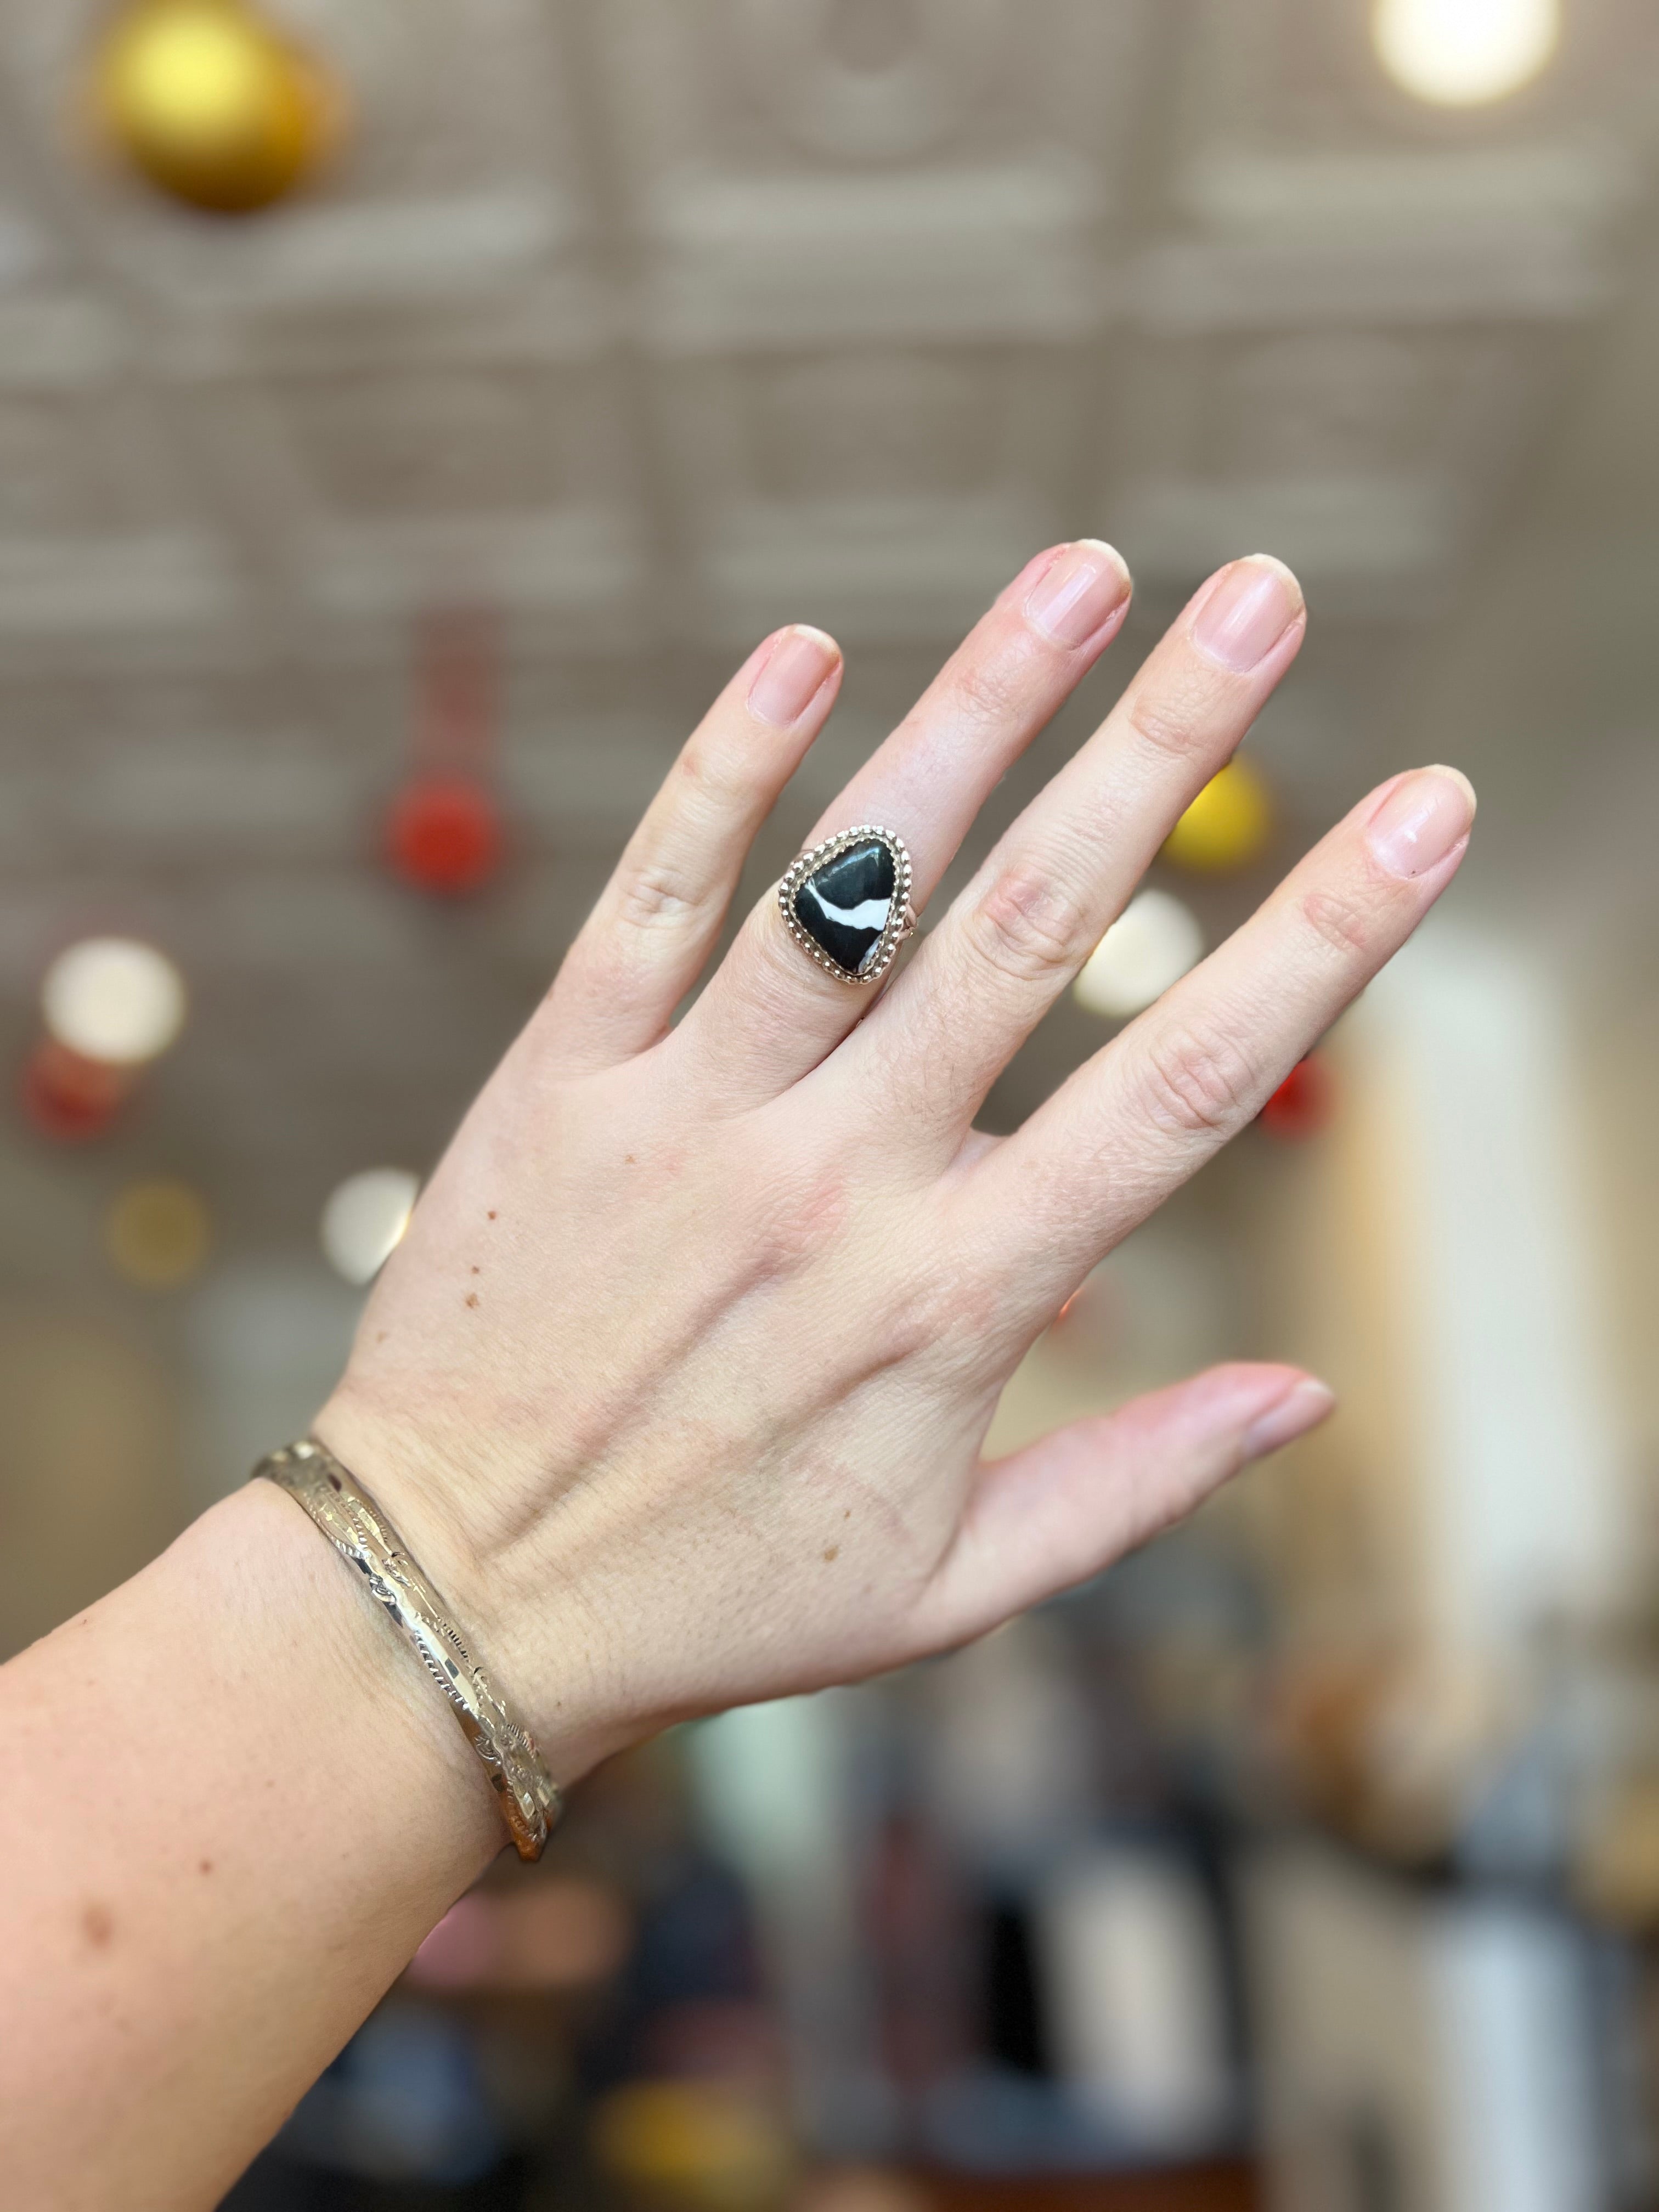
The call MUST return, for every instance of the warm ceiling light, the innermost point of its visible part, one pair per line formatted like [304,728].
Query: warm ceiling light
[113,999]
[364,1220]
[1152,945]
[1459,53]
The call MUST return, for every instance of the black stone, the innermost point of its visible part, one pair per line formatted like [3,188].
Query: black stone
[846,907]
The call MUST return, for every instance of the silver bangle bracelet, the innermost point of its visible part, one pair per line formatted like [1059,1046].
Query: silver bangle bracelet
[360,1533]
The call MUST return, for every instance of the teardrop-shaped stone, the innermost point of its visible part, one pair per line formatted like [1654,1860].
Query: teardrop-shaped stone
[846,905]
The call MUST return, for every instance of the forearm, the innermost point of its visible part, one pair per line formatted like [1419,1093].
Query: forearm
[232,1808]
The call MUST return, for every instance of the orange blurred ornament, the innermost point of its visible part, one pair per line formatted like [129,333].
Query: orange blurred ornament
[70,1098]
[214,105]
[1302,1105]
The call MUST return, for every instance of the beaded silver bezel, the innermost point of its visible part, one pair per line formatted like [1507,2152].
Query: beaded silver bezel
[901,923]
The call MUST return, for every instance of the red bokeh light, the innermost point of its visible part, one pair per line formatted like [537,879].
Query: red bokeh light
[70,1098]
[444,835]
[1303,1104]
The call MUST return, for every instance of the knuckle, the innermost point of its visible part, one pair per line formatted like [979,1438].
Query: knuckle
[711,779]
[987,688]
[1026,929]
[1162,722]
[1169,716]
[804,1213]
[946,1316]
[1338,922]
[651,894]
[1198,1083]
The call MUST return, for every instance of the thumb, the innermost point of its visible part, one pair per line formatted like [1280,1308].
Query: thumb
[1056,1513]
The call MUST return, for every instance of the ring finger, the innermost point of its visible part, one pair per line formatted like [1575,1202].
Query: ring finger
[771,1015]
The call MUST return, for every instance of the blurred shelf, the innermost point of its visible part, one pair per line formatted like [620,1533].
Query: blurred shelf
[1230,2188]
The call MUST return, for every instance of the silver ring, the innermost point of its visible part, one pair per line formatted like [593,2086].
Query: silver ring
[847,903]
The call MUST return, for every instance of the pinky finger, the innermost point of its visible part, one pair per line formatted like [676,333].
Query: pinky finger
[1055,1514]
[659,916]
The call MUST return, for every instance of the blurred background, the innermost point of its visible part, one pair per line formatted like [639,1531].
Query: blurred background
[410,414]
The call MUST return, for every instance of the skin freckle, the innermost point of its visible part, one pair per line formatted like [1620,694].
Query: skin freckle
[492,1214]
[832,1554]
[473,1297]
[477,1271]
[380,1335]
[206,1867]
[98,1925]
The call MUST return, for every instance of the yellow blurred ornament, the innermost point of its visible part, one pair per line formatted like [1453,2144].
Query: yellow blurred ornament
[213,103]
[699,2144]
[1226,826]
[158,1234]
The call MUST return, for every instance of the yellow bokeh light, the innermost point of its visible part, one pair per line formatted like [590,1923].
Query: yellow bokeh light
[710,2144]
[212,103]
[158,1234]
[1227,825]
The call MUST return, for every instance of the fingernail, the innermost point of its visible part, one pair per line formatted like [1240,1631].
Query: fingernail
[1252,604]
[794,674]
[1422,820]
[1079,594]
[1306,1406]
[1014,593]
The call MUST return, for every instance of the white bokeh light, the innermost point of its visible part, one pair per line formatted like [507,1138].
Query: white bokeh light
[1151,946]
[1462,54]
[365,1219]
[111,998]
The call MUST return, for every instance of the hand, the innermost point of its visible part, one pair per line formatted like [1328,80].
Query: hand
[679,1381]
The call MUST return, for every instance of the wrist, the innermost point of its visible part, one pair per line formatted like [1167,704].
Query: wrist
[526,1621]
[231,1811]
[359,1681]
